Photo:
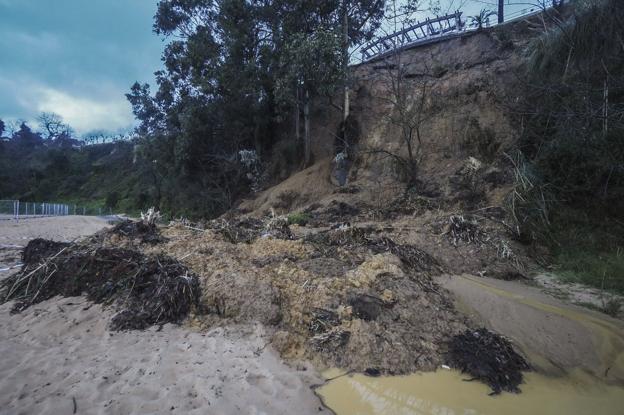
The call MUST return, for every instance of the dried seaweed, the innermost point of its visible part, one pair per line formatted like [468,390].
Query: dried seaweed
[487,357]
[39,249]
[147,290]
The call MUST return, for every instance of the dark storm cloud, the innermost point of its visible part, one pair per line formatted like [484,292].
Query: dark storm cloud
[76,58]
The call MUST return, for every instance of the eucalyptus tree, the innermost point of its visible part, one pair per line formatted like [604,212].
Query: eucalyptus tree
[310,67]
[225,65]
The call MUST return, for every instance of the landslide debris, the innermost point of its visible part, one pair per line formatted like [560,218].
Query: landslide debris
[351,297]
[348,297]
[137,231]
[39,249]
[145,289]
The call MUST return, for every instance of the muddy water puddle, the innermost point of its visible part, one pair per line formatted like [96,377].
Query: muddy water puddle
[446,393]
[599,391]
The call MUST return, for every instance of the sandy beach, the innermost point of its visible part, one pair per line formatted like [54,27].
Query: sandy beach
[58,357]
[15,234]
[56,228]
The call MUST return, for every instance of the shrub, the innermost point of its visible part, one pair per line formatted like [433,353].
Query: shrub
[112,200]
[298,218]
[480,141]
[503,35]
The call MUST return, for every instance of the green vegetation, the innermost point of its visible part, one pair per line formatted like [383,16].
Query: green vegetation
[239,77]
[298,218]
[569,192]
[64,170]
[588,250]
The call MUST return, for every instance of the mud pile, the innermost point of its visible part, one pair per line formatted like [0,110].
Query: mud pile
[350,298]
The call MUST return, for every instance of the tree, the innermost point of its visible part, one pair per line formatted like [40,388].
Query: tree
[53,126]
[12,127]
[112,200]
[146,109]
[228,67]
[359,21]
[482,19]
[311,67]
[406,95]
[25,137]
[2,126]
[572,116]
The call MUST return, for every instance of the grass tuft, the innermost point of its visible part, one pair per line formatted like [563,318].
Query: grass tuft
[298,218]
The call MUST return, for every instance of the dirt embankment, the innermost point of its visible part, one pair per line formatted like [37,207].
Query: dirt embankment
[464,88]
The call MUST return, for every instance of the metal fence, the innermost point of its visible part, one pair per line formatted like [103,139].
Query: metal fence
[15,209]
[433,30]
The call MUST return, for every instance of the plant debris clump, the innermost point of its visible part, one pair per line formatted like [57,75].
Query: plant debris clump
[464,229]
[246,230]
[410,204]
[414,258]
[487,357]
[346,237]
[357,237]
[39,249]
[145,233]
[147,290]
[237,231]
[334,212]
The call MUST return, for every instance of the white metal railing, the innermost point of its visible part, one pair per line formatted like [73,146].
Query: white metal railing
[432,30]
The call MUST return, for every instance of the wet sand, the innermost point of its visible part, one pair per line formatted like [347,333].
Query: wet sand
[556,337]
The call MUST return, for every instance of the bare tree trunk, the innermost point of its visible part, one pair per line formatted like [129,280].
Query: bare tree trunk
[306,129]
[256,135]
[345,58]
[297,113]
[605,108]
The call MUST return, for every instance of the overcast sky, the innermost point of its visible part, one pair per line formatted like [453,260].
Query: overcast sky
[79,57]
[76,58]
